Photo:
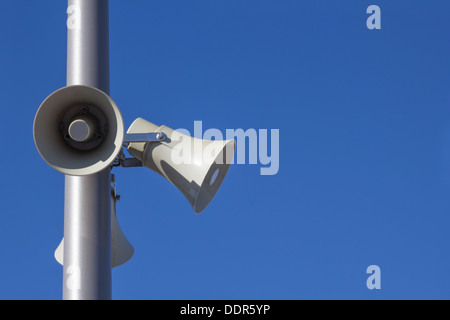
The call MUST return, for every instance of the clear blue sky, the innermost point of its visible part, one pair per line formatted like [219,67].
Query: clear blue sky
[364,120]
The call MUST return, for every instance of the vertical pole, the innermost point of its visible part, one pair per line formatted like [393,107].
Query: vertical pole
[87,206]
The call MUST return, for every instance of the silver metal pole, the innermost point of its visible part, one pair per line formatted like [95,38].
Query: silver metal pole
[87,207]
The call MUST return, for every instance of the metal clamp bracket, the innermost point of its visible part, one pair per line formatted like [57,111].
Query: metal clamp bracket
[123,161]
[145,137]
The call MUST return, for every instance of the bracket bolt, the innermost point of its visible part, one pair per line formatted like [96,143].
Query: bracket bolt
[161,136]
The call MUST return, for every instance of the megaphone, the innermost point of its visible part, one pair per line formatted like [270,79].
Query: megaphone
[121,249]
[196,167]
[78,130]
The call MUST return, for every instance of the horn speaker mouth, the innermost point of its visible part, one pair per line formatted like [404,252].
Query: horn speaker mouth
[78,130]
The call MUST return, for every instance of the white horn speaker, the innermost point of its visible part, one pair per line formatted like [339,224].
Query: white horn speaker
[121,249]
[78,130]
[196,167]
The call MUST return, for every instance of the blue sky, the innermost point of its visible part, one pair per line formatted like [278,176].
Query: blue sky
[364,122]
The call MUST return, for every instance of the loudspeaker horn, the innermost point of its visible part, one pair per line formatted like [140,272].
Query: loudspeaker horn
[78,130]
[121,249]
[196,167]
